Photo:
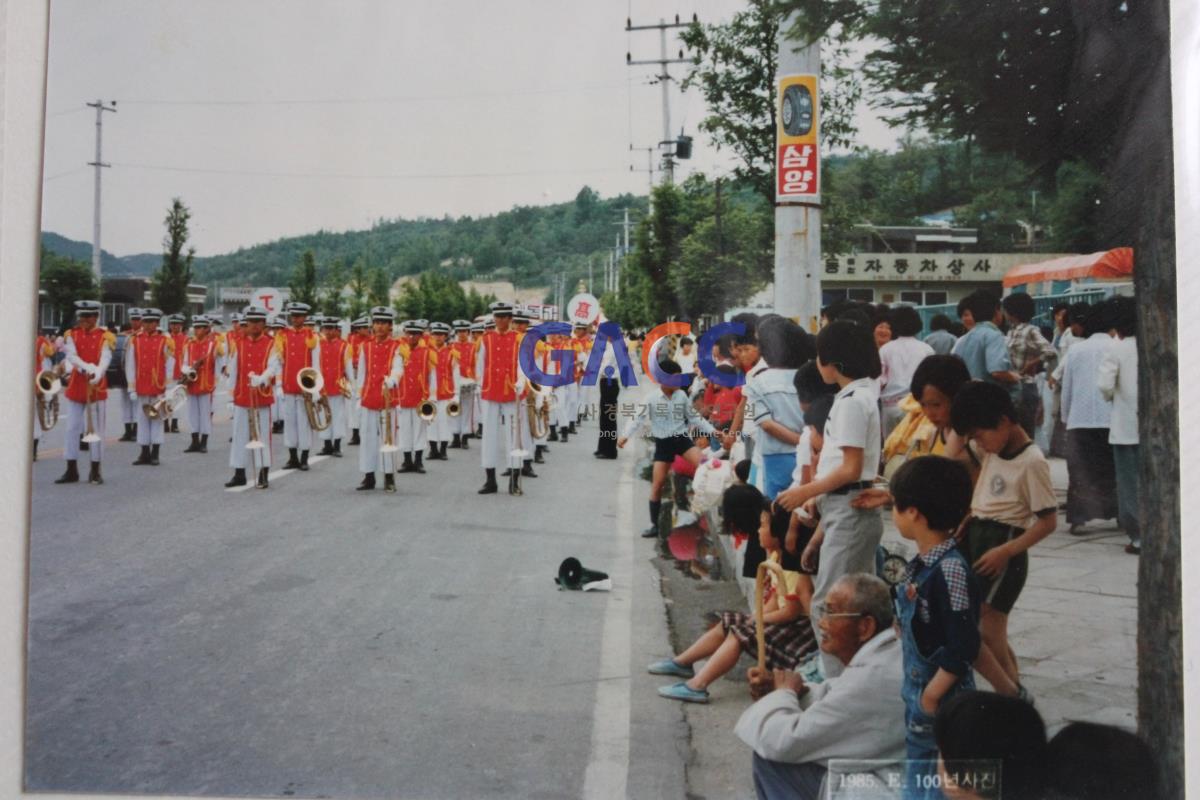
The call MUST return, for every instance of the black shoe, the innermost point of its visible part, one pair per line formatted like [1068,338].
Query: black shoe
[456,443]
[133,428]
[154,455]
[194,447]
[465,439]
[368,483]
[489,486]
[419,465]
[143,457]
[238,479]
[203,443]
[650,533]
[71,475]
[479,431]
[94,475]
[389,483]
[527,470]
[327,448]
[442,451]
[354,440]
[433,451]
[129,435]
[263,483]
[506,473]
[337,448]
[606,455]
[564,436]
[293,461]
[174,426]
[571,428]
[35,444]
[277,426]
[407,466]
[553,437]
[303,465]
[537,455]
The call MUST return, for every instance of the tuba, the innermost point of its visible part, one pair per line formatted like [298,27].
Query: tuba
[316,405]
[165,406]
[47,385]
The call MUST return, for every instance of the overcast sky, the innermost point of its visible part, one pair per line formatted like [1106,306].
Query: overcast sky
[271,118]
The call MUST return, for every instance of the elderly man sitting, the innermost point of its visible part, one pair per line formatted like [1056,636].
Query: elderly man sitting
[797,730]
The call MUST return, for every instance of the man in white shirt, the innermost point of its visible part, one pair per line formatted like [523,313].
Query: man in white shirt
[800,733]
[1117,381]
[1091,478]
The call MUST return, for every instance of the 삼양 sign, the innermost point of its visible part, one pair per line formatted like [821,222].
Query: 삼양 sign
[797,149]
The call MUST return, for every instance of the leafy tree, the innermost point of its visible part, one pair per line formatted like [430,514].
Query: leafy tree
[332,303]
[303,286]
[359,288]
[65,280]
[1073,214]
[586,204]
[170,283]
[379,288]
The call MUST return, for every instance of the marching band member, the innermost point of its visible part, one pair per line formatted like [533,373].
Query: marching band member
[379,367]
[43,355]
[525,431]
[128,407]
[149,364]
[445,388]
[416,386]
[501,383]
[335,356]
[477,331]
[298,347]
[582,347]
[179,338]
[204,353]
[253,365]
[276,326]
[464,376]
[89,350]
[360,331]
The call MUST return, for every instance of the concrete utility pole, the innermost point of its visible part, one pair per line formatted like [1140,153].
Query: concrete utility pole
[98,164]
[664,78]
[798,225]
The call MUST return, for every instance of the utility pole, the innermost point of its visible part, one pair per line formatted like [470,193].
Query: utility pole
[98,164]
[798,221]
[664,78]
[649,167]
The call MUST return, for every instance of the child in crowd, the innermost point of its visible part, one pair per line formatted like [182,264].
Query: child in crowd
[1087,761]
[899,359]
[849,461]
[937,603]
[671,418]
[802,527]
[993,747]
[1012,509]
[788,634]
[773,398]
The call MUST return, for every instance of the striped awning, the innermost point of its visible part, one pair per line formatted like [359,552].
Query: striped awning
[1107,264]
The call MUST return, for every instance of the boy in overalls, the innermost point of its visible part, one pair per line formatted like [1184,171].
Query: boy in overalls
[937,607]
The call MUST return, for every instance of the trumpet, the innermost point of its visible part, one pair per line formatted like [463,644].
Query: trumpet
[47,385]
[316,405]
[427,411]
[165,406]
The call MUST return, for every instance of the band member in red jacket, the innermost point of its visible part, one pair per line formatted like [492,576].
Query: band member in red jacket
[252,366]
[335,356]
[89,349]
[500,385]
[377,372]
[149,364]
[297,347]
[416,387]
[203,352]
[178,336]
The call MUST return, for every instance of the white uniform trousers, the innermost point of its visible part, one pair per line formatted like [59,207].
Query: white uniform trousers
[501,435]
[150,431]
[442,425]
[572,402]
[337,416]
[128,408]
[562,401]
[372,436]
[241,457]
[199,411]
[296,430]
[413,433]
[77,426]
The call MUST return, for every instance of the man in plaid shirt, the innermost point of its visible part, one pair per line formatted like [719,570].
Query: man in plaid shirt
[1030,353]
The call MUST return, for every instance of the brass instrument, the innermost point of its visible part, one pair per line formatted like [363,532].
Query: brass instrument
[165,406]
[388,445]
[517,455]
[47,385]
[466,399]
[189,375]
[316,405]
[538,418]
[453,408]
[255,443]
[345,389]
[427,411]
[90,435]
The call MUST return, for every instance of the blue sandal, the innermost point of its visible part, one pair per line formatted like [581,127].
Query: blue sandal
[680,691]
[668,666]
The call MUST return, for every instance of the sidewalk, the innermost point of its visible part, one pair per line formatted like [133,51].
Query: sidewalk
[1074,631]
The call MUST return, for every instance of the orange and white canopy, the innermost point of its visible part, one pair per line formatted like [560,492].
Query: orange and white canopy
[1105,265]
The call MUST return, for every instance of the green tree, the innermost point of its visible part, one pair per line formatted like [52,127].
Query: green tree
[169,286]
[359,288]
[379,288]
[1073,214]
[65,280]
[332,302]
[303,286]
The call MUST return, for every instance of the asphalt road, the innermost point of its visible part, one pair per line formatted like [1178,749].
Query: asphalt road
[314,641]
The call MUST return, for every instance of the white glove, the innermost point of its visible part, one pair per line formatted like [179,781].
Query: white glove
[97,376]
[257,380]
[390,382]
[132,396]
[93,370]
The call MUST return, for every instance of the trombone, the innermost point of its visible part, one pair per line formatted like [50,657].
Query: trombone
[388,446]
[255,443]
[316,405]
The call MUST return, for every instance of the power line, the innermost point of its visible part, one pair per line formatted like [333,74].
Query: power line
[365,176]
[64,174]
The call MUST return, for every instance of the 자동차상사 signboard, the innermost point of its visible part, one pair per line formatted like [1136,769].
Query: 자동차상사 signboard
[797,151]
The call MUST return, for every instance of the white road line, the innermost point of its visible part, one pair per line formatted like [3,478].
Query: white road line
[271,476]
[607,772]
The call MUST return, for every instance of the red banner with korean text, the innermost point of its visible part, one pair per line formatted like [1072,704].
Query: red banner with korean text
[797,151]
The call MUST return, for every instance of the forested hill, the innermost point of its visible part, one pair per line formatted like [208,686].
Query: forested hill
[140,264]
[527,245]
